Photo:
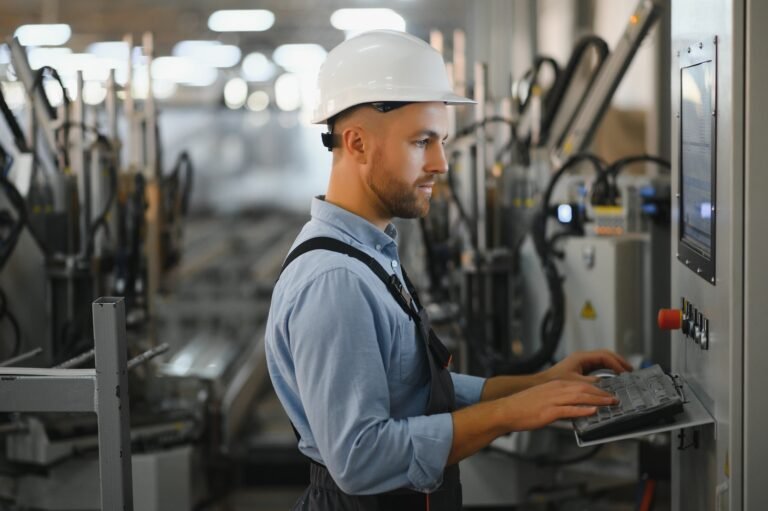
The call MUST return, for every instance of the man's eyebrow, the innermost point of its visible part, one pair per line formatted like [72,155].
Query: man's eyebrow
[430,134]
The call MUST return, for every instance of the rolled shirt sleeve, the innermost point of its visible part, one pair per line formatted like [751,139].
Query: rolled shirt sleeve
[341,375]
[468,389]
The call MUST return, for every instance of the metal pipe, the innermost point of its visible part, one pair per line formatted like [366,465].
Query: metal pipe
[147,355]
[21,358]
[76,361]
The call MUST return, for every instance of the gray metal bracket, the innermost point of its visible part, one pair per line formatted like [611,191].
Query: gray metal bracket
[103,391]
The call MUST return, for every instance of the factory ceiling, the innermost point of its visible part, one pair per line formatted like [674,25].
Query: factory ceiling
[171,21]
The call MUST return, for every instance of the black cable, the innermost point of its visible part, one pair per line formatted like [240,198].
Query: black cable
[38,83]
[17,201]
[13,125]
[606,182]
[101,218]
[469,130]
[556,95]
[5,313]
[554,319]
[531,77]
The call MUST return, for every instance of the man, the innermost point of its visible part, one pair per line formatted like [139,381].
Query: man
[350,352]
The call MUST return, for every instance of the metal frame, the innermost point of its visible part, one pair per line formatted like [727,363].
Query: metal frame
[579,133]
[103,390]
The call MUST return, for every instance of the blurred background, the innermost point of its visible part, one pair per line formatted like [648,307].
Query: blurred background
[161,151]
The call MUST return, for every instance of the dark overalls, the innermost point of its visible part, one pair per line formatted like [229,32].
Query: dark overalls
[323,493]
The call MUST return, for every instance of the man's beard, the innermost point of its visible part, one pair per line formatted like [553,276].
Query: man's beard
[402,200]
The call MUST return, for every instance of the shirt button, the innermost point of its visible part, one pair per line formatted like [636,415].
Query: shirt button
[394,264]
[378,247]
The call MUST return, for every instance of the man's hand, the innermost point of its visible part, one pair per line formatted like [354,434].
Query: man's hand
[474,427]
[576,365]
[543,404]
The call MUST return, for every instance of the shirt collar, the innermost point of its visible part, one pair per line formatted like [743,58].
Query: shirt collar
[353,225]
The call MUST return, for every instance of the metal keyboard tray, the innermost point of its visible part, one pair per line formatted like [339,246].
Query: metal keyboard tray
[694,414]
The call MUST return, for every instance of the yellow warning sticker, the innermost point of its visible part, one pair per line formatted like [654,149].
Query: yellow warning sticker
[588,311]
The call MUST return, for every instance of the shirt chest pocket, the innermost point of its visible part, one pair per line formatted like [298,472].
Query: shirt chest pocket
[412,358]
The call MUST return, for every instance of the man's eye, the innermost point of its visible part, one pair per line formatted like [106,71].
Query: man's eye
[422,143]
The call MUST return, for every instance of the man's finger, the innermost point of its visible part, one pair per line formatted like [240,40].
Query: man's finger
[571,412]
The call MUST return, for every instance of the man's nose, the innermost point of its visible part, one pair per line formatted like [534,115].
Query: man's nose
[438,162]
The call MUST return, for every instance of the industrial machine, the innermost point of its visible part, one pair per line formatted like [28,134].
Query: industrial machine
[86,210]
[718,245]
[537,248]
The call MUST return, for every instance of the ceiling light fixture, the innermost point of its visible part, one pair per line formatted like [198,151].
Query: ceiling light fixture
[183,70]
[241,20]
[235,93]
[210,53]
[258,68]
[43,34]
[360,20]
[300,58]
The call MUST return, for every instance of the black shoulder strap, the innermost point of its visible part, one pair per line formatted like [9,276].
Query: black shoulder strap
[392,282]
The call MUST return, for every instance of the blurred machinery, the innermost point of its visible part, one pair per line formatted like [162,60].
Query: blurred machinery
[87,211]
[537,248]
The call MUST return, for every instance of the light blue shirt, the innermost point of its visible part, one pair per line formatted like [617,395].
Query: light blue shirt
[349,368]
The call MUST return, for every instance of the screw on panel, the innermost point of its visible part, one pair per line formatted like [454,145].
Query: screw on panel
[712,280]
[698,270]
[677,115]
[687,261]
[714,113]
[701,46]
[677,255]
[677,195]
[689,49]
[678,53]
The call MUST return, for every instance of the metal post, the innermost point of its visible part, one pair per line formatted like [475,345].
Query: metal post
[480,190]
[112,405]
[152,168]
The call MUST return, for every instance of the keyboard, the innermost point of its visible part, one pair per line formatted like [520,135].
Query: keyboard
[646,397]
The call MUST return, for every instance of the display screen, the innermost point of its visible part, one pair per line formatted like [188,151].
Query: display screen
[697,204]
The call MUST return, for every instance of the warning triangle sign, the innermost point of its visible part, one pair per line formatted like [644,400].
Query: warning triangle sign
[588,311]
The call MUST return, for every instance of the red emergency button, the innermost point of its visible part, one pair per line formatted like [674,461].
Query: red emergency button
[670,319]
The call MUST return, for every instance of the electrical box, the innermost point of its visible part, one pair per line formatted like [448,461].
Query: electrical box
[604,283]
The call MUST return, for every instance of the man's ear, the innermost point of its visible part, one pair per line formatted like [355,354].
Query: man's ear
[354,142]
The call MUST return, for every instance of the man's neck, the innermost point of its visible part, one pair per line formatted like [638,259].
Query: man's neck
[355,202]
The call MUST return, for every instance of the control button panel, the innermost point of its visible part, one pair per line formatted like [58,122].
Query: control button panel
[689,320]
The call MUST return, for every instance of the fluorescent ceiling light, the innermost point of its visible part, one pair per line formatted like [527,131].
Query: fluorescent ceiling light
[163,89]
[235,93]
[360,20]
[241,20]
[39,57]
[210,53]
[5,55]
[258,101]
[43,35]
[300,58]
[183,70]
[117,50]
[288,92]
[258,68]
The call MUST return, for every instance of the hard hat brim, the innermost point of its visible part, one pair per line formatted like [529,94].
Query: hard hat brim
[449,98]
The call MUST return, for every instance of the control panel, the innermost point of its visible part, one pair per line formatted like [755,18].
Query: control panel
[689,320]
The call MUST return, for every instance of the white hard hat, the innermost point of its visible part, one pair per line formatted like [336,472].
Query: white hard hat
[381,66]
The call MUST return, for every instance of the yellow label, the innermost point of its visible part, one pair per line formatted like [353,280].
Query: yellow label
[588,311]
